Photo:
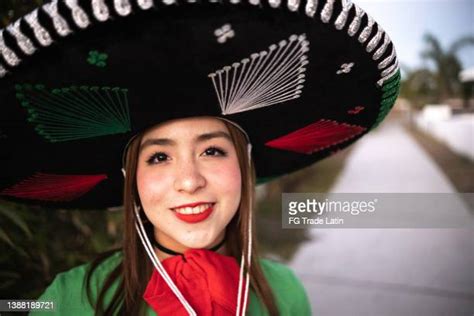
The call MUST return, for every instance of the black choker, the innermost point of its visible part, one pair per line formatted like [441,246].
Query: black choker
[171,252]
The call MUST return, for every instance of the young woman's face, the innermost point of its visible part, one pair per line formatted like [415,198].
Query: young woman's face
[189,182]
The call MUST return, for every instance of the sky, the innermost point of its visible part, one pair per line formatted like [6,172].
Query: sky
[406,21]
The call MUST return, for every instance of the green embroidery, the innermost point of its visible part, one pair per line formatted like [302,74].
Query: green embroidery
[71,113]
[390,89]
[97,59]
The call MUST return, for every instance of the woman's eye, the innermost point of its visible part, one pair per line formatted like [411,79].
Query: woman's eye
[214,151]
[160,157]
[157,158]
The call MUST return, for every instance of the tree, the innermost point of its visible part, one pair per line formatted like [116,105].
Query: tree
[447,63]
[420,86]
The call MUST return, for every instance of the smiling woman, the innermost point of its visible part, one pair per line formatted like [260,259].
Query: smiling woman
[210,95]
[179,166]
[188,171]
[192,183]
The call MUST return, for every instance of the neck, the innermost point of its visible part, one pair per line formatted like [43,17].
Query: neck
[163,254]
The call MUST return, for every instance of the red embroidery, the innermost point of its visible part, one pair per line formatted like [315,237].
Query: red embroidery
[316,137]
[53,187]
[356,110]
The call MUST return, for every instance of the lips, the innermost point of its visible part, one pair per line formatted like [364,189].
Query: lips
[194,212]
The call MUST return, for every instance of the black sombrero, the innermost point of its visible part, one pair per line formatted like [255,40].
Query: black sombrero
[80,78]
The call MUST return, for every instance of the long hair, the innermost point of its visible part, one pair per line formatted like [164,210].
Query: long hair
[135,270]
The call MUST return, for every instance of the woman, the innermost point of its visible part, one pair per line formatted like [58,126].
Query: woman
[290,83]
[181,162]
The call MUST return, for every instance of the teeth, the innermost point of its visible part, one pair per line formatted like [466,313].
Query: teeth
[193,210]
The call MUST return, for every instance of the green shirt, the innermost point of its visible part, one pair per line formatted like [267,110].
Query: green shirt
[69,294]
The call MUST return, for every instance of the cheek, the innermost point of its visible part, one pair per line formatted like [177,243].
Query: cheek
[151,187]
[227,181]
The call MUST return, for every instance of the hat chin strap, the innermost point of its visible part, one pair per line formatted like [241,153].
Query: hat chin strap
[159,267]
[161,270]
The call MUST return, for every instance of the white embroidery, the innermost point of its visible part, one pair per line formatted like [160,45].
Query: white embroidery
[169,2]
[123,7]
[326,12]
[274,3]
[254,2]
[342,18]
[355,24]
[80,17]
[23,41]
[60,24]
[390,69]
[384,63]
[364,35]
[375,40]
[393,69]
[3,71]
[381,50]
[223,33]
[8,54]
[41,34]
[145,4]
[266,78]
[100,10]
[345,68]
[293,5]
[311,6]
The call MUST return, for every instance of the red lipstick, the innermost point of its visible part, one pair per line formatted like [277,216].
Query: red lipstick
[191,205]
[194,218]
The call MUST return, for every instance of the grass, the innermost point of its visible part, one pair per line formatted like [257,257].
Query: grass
[457,168]
[279,243]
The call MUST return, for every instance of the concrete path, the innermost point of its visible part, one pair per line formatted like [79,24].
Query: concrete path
[389,271]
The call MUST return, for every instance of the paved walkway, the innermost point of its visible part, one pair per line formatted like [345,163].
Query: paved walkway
[389,271]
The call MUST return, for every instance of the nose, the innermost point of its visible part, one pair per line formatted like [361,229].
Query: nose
[189,179]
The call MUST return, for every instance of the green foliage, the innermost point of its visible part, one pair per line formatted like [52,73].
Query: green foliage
[447,64]
[423,85]
[420,87]
[283,243]
[37,243]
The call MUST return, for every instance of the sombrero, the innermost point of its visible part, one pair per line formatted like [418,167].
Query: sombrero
[304,79]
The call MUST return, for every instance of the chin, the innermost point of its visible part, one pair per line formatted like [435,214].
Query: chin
[198,243]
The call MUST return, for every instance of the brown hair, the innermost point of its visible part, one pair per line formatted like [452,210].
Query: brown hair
[136,271]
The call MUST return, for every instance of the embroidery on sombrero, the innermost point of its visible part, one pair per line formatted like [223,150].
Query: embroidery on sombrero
[356,110]
[270,77]
[97,59]
[54,187]
[390,89]
[224,33]
[75,112]
[316,137]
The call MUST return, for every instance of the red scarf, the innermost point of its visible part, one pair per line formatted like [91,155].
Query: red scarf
[209,281]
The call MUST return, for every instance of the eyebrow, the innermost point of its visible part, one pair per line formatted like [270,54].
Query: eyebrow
[199,139]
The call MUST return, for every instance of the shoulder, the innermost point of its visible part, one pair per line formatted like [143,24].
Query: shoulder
[68,289]
[288,290]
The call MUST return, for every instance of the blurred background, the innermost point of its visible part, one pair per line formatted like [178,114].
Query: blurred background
[426,145]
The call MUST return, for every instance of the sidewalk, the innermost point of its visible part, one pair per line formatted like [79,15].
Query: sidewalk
[389,271]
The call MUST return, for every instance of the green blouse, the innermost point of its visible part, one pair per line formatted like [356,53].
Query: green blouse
[68,292]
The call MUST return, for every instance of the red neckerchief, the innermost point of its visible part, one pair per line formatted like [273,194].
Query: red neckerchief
[209,281]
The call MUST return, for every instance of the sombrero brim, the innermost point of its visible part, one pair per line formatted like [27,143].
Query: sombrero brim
[302,81]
